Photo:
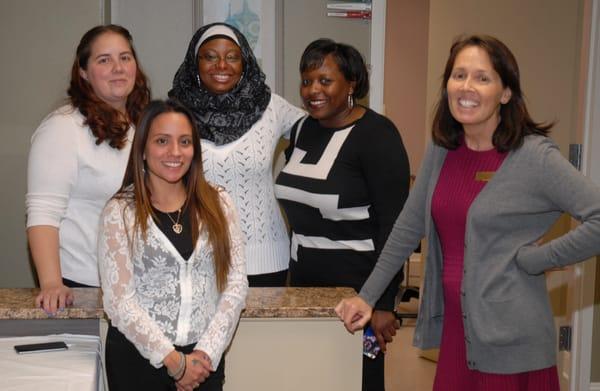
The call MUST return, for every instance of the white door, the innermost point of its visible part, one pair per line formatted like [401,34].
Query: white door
[574,367]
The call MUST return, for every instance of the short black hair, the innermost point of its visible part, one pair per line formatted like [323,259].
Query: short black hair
[348,59]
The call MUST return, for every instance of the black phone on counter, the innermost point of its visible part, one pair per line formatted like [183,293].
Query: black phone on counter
[41,347]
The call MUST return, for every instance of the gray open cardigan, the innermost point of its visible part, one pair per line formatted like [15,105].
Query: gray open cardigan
[508,321]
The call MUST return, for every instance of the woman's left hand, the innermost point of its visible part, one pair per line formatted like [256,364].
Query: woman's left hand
[384,325]
[198,368]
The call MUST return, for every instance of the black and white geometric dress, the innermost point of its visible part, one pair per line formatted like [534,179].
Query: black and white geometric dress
[342,190]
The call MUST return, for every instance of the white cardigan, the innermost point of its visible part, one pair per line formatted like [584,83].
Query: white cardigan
[244,169]
[69,180]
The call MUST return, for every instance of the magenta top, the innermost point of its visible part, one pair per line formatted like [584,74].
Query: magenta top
[464,174]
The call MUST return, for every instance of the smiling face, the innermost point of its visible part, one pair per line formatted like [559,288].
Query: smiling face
[324,91]
[475,92]
[111,69]
[220,65]
[169,150]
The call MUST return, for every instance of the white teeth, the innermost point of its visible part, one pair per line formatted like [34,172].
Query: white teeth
[316,102]
[467,103]
[173,164]
[221,78]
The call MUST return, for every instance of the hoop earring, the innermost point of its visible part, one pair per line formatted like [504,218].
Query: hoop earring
[198,80]
[350,101]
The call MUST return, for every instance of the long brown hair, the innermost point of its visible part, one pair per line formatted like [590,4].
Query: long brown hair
[203,200]
[515,121]
[106,122]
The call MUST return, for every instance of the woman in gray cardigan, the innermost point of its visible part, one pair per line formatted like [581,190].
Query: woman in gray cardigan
[491,184]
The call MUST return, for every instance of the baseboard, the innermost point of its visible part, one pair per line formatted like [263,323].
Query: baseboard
[594,386]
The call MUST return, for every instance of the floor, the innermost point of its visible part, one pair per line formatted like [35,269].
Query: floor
[405,370]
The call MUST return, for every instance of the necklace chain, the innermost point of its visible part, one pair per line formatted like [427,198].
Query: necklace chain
[176,227]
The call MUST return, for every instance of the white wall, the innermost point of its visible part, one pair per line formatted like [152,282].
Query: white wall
[161,33]
[305,21]
[37,42]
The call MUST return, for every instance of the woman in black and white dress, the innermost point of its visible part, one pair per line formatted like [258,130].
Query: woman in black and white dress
[345,181]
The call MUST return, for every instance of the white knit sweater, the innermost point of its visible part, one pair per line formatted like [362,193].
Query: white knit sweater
[69,180]
[244,169]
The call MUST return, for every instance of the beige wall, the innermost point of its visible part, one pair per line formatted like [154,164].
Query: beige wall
[37,41]
[419,35]
[550,73]
[543,35]
[407,23]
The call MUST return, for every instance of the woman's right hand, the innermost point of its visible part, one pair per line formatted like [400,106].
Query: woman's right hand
[54,298]
[354,312]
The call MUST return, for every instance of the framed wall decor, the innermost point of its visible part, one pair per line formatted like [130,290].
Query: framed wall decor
[256,19]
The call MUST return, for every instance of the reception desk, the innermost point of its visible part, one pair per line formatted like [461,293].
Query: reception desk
[287,339]
[290,339]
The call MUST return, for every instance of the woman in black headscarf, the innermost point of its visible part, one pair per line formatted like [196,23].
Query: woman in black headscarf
[240,123]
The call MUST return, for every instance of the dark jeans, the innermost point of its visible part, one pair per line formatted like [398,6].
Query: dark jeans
[75,284]
[373,378]
[268,279]
[126,369]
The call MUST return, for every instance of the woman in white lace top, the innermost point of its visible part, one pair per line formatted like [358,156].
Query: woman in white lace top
[171,262]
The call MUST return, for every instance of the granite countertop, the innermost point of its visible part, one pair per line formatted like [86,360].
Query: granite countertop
[18,303]
[294,302]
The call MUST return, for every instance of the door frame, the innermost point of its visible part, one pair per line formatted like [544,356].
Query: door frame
[583,283]
[377,59]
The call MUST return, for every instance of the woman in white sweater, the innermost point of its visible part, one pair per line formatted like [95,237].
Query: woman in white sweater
[240,123]
[172,264]
[77,160]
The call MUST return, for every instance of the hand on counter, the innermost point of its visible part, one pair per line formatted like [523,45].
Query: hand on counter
[384,325]
[354,312]
[198,368]
[53,298]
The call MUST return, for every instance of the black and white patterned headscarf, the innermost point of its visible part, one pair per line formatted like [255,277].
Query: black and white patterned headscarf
[222,118]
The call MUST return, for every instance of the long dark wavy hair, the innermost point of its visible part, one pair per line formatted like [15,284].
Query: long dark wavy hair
[515,121]
[106,123]
[202,198]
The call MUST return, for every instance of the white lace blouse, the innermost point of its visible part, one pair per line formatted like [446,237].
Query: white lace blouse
[156,298]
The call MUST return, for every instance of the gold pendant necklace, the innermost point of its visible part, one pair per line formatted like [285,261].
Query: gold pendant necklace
[176,227]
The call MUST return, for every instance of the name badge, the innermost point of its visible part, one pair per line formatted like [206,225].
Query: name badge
[484,176]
